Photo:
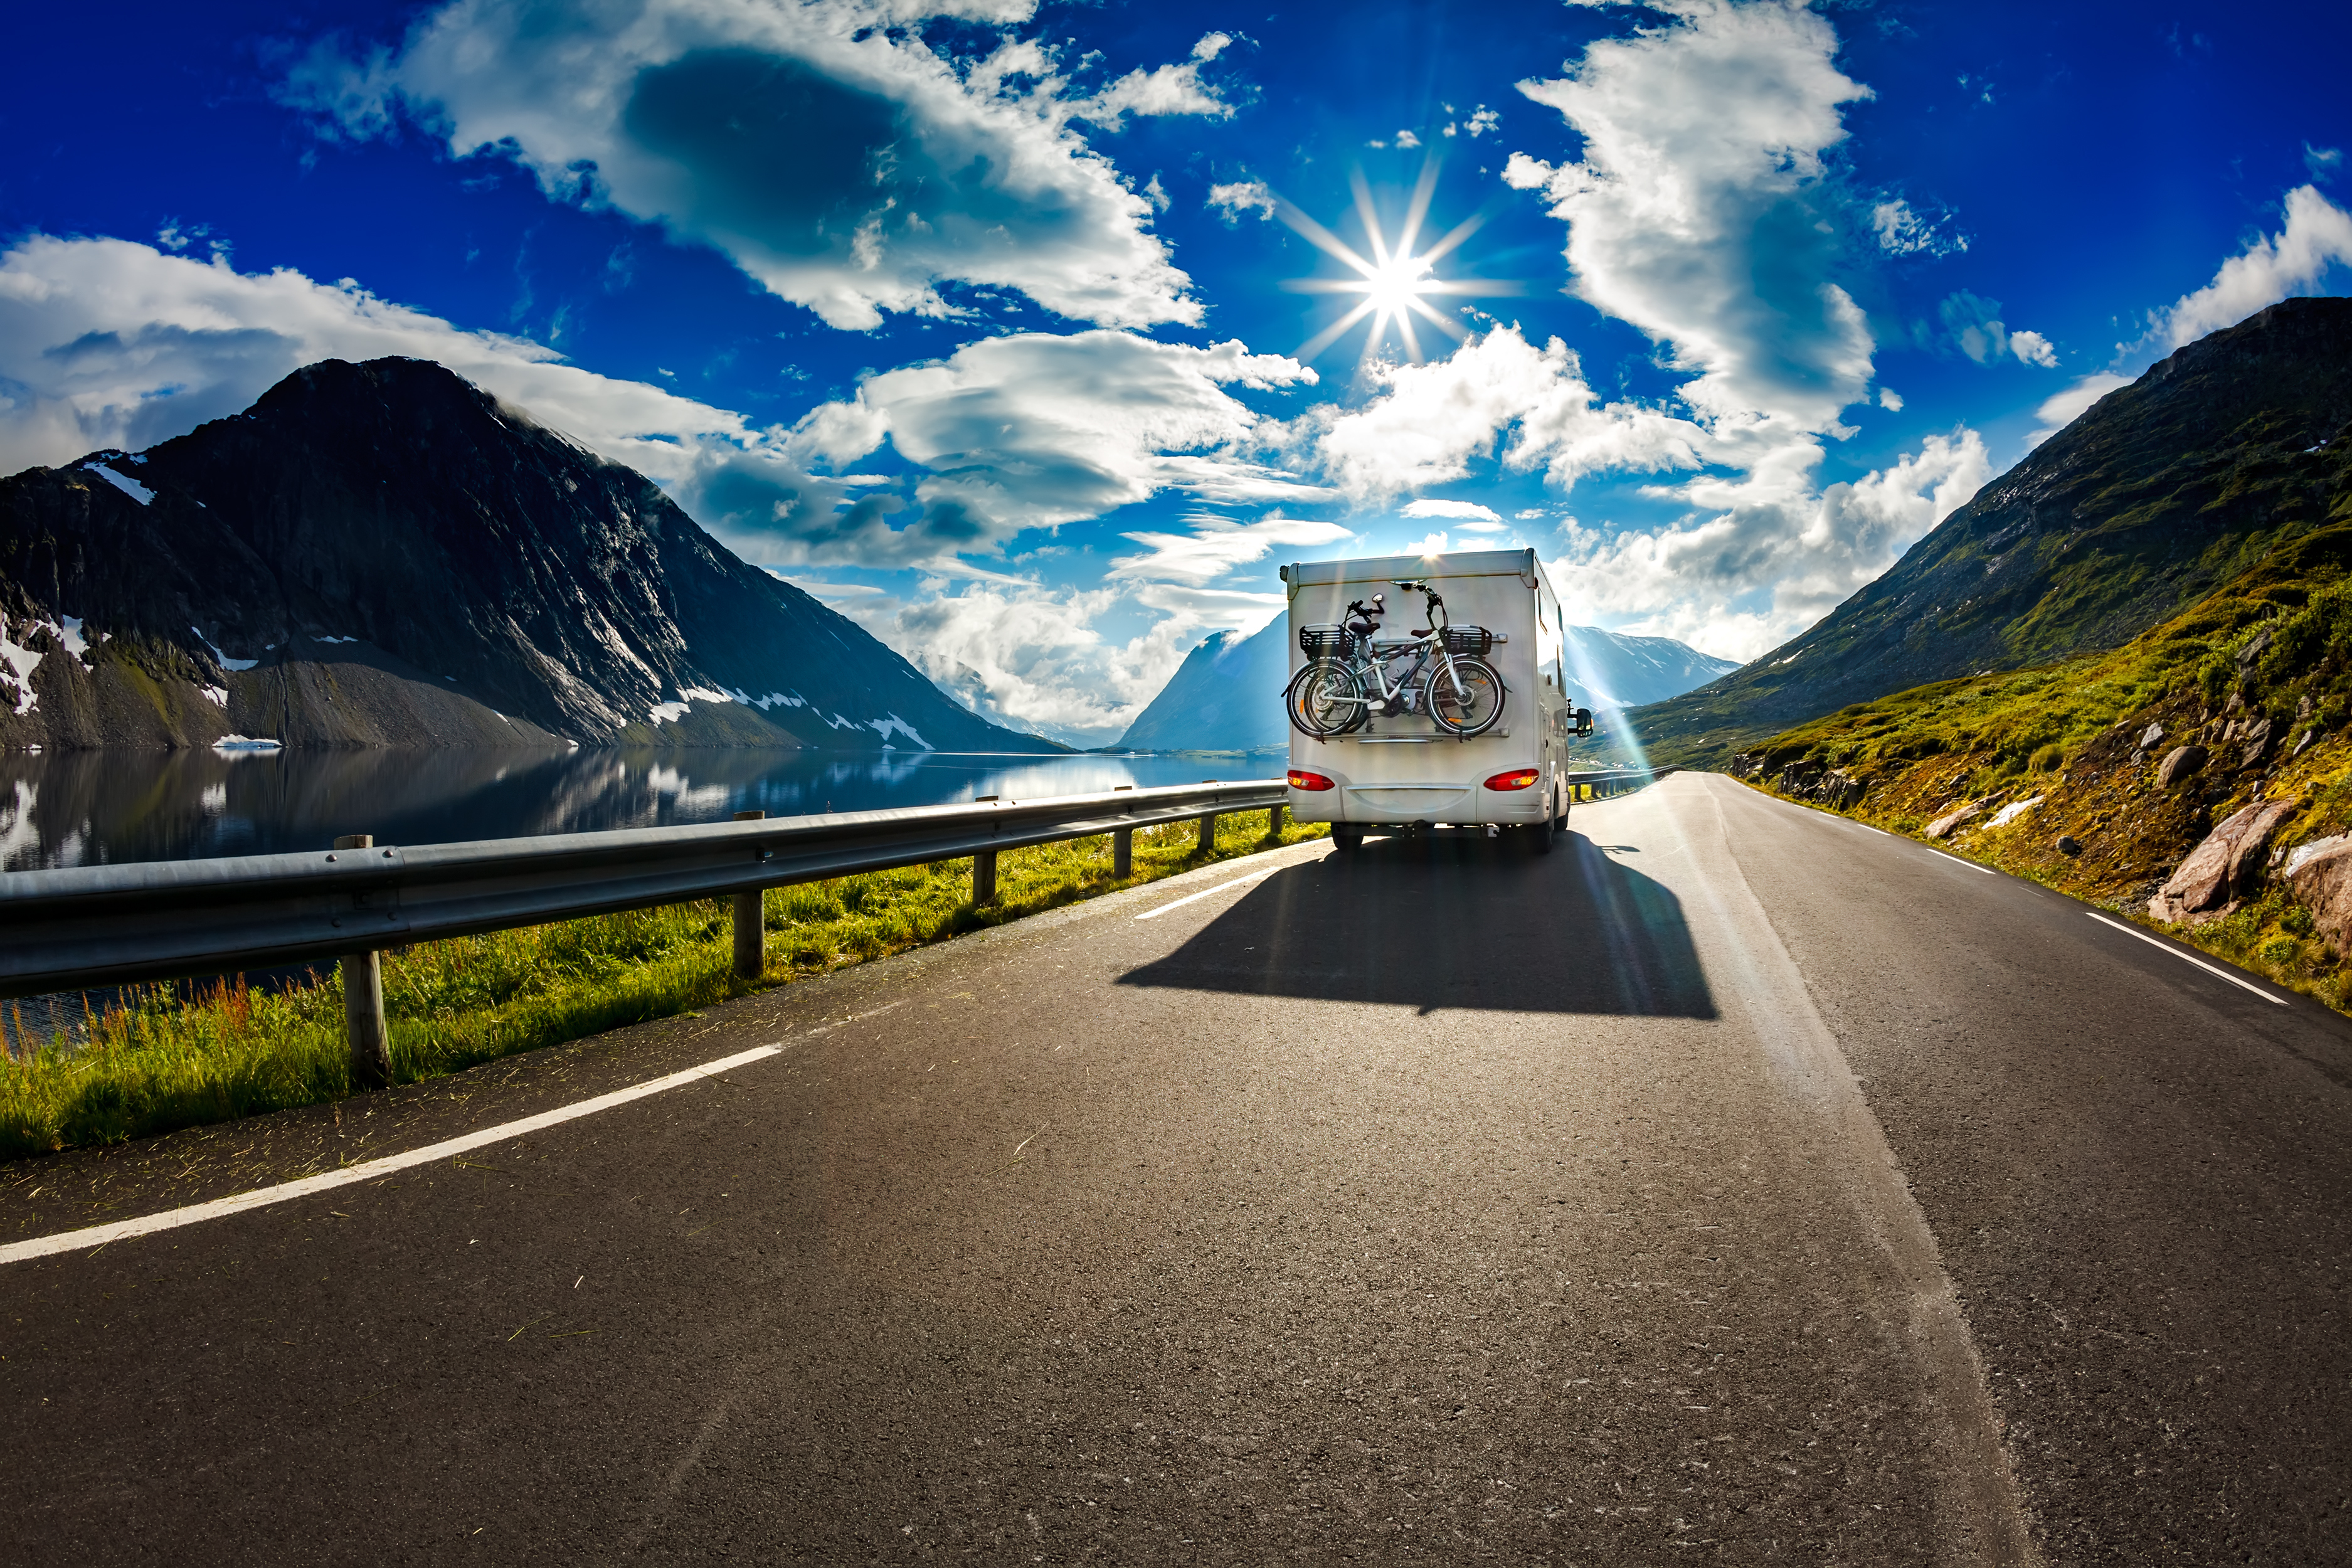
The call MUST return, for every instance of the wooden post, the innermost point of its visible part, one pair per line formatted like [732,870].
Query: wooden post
[364,1024]
[750,922]
[1122,848]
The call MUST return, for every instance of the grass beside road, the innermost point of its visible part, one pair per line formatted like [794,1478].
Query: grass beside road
[164,1061]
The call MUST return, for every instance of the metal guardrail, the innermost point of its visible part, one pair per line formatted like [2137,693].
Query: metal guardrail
[110,925]
[103,925]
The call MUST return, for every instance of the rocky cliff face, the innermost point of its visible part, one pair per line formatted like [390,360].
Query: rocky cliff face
[2161,490]
[381,555]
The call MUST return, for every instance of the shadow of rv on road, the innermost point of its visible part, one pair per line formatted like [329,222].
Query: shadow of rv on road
[1457,923]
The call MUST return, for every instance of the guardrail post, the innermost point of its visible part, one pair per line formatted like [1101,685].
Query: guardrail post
[1122,848]
[362,980]
[983,868]
[750,922]
[1273,822]
[1208,831]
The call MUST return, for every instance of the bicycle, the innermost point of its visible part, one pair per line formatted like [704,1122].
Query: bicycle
[1344,684]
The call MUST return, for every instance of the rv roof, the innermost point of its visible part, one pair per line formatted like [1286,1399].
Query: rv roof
[1388,568]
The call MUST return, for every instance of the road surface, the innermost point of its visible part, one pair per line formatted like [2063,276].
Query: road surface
[1733,1183]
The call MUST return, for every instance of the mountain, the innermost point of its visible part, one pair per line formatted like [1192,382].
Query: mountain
[1227,694]
[1621,671]
[2160,491]
[1225,697]
[384,554]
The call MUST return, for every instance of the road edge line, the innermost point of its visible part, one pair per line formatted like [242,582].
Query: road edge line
[2213,969]
[1153,914]
[367,1171]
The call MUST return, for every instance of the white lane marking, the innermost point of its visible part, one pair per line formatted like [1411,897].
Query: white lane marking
[2208,968]
[262,1197]
[1191,897]
[1958,861]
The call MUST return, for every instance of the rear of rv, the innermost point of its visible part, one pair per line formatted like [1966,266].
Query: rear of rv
[1402,769]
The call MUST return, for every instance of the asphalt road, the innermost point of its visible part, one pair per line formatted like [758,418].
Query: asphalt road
[1734,1181]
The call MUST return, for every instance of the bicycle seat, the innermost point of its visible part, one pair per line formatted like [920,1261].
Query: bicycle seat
[1420,631]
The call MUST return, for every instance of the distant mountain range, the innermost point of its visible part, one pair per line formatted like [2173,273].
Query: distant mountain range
[1227,694]
[2160,491]
[382,555]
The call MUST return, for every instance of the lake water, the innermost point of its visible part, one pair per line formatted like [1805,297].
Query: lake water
[81,808]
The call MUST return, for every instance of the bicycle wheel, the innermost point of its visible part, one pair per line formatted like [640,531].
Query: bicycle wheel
[1466,702]
[1324,700]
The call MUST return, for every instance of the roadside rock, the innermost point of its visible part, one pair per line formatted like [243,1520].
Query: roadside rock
[2177,764]
[2222,870]
[1943,826]
[1812,780]
[2150,736]
[2069,845]
[2320,876]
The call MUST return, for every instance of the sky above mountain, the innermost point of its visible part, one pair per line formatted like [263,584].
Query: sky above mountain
[1035,336]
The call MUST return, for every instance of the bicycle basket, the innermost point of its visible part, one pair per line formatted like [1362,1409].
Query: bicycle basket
[1323,642]
[1474,641]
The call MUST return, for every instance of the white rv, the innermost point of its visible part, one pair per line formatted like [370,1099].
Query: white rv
[1366,751]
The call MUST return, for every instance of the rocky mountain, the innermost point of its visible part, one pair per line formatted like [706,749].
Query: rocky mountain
[1226,696]
[2159,492]
[382,555]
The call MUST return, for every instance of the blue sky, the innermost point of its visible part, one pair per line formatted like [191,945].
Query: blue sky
[1007,326]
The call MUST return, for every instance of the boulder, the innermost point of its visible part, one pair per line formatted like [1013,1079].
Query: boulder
[1943,826]
[2257,736]
[2319,874]
[2068,845]
[2221,873]
[2177,764]
[2150,736]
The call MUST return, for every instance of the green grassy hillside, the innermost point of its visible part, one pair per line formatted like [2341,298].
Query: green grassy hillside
[2163,492]
[2258,672]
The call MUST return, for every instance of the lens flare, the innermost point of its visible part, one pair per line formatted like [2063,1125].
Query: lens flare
[1395,281]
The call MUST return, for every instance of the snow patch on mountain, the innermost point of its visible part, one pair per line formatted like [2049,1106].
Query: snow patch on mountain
[126,485]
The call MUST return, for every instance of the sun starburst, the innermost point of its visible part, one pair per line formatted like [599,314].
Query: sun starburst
[1395,281]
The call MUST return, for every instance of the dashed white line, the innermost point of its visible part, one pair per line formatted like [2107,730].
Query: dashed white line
[2209,968]
[262,1197]
[1194,898]
[1958,861]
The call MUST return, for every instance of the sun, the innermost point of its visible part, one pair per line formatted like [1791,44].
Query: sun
[1395,281]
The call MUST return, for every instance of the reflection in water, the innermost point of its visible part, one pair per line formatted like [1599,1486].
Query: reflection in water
[77,809]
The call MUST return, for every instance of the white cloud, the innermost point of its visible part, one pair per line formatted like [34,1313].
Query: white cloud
[1903,232]
[1162,91]
[824,147]
[2032,348]
[1028,431]
[1428,544]
[1433,419]
[2324,162]
[1890,400]
[1036,656]
[1216,545]
[1482,122]
[107,342]
[1771,532]
[2316,239]
[2058,412]
[1463,509]
[1407,141]
[1241,196]
[1701,212]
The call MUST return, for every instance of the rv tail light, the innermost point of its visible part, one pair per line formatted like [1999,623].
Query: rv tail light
[1301,779]
[1517,778]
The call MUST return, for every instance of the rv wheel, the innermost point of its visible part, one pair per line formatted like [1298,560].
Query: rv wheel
[1538,838]
[1346,838]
